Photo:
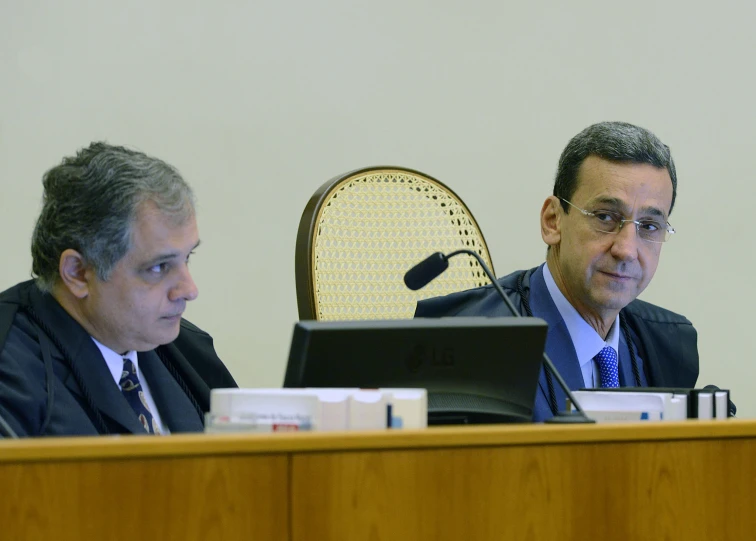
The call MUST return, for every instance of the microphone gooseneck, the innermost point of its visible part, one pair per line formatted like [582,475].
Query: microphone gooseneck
[5,430]
[434,265]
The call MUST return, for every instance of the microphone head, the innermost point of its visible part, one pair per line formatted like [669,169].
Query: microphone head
[424,272]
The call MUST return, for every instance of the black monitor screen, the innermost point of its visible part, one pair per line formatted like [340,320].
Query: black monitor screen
[476,369]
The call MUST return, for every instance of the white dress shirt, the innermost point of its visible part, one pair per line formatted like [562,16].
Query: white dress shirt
[115,365]
[586,340]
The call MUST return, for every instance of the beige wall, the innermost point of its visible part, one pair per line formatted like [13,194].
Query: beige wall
[258,103]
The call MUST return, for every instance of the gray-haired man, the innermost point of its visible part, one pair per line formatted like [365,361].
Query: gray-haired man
[96,342]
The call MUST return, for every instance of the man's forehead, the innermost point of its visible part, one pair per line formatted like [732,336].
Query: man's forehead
[156,233]
[629,184]
[597,164]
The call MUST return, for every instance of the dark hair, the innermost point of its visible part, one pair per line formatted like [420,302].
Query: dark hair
[615,141]
[90,202]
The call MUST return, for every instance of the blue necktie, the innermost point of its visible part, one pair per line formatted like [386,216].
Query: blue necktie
[608,367]
[134,394]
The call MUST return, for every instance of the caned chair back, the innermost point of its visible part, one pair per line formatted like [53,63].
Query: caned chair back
[361,231]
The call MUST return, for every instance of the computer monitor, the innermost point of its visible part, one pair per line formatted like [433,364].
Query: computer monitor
[476,369]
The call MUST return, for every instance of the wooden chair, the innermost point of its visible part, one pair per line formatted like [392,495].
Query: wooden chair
[361,231]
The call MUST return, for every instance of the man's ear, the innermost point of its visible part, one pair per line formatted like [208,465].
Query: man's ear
[551,221]
[75,274]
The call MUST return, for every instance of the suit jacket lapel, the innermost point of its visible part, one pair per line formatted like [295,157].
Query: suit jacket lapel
[627,378]
[559,345]
[95,375]
[176,409]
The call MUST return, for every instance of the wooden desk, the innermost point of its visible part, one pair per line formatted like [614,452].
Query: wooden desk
[694,480]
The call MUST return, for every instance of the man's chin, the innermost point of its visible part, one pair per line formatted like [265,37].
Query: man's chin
[157,340]
[171,336]
[614,302]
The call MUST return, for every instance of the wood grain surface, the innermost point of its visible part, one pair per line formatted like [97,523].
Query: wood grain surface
[689,480]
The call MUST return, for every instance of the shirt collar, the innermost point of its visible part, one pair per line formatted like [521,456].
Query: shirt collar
[115,360]
[586,340]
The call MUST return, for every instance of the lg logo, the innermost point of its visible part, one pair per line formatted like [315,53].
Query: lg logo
[436,357]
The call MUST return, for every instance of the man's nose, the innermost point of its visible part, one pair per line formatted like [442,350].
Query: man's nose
[626,241]
[185,288]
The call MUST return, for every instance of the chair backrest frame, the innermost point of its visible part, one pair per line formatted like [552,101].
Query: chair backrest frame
[304,264]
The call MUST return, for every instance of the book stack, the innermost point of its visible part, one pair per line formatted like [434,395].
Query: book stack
[284,410]
[654,404]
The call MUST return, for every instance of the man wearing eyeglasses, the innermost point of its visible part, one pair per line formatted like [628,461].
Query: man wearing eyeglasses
[604,226]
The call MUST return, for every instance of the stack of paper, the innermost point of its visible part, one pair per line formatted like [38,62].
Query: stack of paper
[276,410]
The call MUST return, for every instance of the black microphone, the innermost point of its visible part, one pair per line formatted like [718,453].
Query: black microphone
[731,408]
[424,272]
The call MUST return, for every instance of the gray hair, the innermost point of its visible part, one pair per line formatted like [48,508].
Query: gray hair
[91,201]
[615,141]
